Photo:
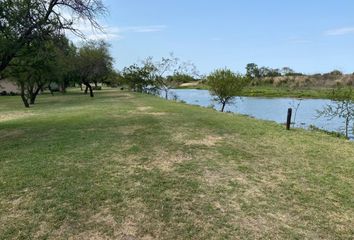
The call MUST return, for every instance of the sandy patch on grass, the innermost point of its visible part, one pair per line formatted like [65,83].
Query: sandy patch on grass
[14,116]
[190,84]
[143,109]
[185,136]
[146,111]
[157,113]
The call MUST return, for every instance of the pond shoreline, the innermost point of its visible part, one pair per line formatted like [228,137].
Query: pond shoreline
[270,108]
[278,92]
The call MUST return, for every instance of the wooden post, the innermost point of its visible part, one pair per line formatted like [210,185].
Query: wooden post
[288,120]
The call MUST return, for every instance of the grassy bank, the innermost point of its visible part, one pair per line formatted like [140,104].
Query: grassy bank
[271,91]
[131,166]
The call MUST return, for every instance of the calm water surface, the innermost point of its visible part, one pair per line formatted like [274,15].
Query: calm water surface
[273,109]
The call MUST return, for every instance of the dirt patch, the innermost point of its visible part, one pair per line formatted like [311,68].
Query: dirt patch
[166,160]
[14,116]
[190,84]
[90,235]
[157,113]
[104,217]
[143,109]
[209,141]
[130,130]
[13,133]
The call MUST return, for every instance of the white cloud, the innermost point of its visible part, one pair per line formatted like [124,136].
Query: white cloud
[144,29]
[109,33]
[340,31]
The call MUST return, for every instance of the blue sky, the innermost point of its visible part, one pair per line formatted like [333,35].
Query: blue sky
[309,36]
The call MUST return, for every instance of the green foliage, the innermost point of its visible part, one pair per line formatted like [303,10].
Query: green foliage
[252,71]
[25,21]
[225,85]
[40,63]
[180,78]
[139,78]
[93,64]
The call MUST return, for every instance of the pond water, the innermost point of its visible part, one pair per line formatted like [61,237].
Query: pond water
[273,109]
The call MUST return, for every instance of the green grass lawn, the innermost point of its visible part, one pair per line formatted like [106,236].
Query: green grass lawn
[132,166]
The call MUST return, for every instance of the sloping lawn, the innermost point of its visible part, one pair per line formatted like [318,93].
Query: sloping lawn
[132,166]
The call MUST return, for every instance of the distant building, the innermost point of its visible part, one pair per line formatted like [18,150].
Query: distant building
[8,87]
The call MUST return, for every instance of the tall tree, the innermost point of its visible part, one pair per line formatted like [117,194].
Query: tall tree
[23,21]
[93,64]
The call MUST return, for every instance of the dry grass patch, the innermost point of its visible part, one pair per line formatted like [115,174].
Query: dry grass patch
[209,141]
[146,110]
[166,161]
[14,116]
[13,133]
[90,235]
[184,136]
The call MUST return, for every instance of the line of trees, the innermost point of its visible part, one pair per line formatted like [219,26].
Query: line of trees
[58,62]
[35,53]
[255,72]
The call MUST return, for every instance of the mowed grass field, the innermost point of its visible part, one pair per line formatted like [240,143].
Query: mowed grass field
[132,166]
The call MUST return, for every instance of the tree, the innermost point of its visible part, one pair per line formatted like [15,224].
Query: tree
[93,64]
[286,71]
[269,72]
[166,71]
[225,85]
[342,106]
[179,78]
[66,53]
[139,78]
[35,69]
[23,21]
[252,71]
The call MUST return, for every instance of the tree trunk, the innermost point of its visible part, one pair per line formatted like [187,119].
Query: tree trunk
[166,94]
[223,106]
[88,87]
[50,89]
[347,127]
[23,96]
[63,88]
[34,95]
